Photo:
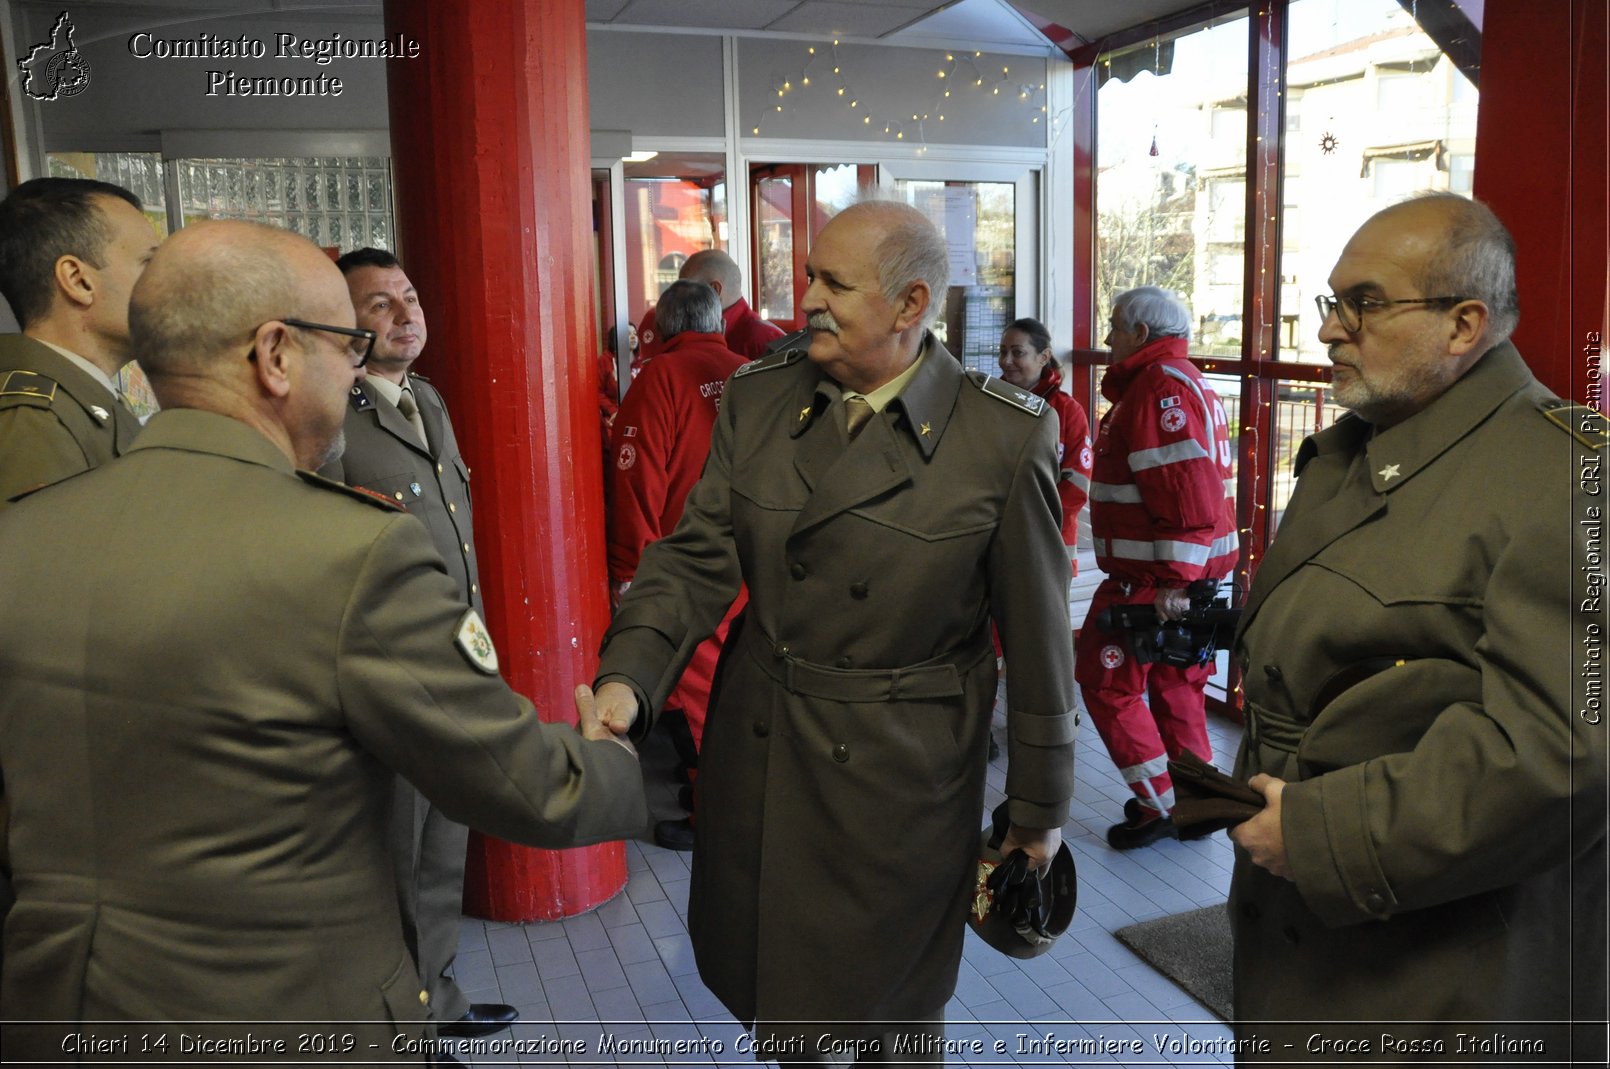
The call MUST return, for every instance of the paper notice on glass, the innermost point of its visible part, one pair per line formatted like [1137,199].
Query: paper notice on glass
[961,225]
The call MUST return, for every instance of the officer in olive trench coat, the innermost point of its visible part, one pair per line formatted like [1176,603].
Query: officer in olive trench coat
[843,771]
[1412,647]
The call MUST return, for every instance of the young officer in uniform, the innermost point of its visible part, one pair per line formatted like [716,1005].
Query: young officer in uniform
[70,252]
[883,507]
[399,443]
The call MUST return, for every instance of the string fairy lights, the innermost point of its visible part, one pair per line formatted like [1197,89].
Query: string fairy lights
[956,74]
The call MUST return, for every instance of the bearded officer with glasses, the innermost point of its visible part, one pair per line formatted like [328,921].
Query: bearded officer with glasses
[400,444]
[1431,858]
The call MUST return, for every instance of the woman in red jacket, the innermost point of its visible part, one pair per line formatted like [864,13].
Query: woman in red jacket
[1027,363]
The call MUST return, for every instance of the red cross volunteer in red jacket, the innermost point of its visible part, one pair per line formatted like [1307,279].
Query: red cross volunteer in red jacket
[1028,364]
[661,439]
[1162,516]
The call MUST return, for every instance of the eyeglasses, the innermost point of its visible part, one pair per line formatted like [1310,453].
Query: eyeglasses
[1350,310]
[359,349]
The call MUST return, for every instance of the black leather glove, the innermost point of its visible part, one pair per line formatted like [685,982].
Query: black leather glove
[1019,896]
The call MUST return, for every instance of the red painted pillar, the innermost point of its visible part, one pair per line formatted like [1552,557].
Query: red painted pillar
[489,136]
[1541,165]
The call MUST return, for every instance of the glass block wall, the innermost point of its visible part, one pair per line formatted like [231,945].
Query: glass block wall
[341,202]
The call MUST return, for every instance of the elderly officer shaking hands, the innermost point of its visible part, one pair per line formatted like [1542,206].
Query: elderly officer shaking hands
[199,799]
[883,506]
[1431,859]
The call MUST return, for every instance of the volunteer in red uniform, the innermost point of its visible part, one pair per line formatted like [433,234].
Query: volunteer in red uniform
[1027,363]
[1162,516]
[660,441]
[747,334]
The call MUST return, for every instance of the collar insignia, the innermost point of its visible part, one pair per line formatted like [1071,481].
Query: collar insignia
[1389,472]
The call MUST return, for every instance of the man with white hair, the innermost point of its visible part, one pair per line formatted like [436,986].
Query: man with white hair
[748,335]
[1162,517]
[882,506]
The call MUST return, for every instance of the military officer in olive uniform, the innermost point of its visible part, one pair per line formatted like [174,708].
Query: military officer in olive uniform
[400,443]
[200,799]
[70,252]
[1433,847]
[883,506]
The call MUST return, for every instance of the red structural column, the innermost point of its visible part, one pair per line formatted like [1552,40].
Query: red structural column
[490,156]
[1541,165]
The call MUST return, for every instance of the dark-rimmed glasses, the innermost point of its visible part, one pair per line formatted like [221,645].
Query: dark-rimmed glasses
[359,349]
[1350,310]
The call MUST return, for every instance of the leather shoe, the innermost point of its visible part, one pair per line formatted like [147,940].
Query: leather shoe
[1142,826]
[674,834]
[483,1019]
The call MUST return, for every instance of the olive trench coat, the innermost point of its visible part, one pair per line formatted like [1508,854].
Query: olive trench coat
[842,777]
[199,731]
[1410,647]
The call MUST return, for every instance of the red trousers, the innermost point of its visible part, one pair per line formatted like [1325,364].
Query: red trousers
[1116,690]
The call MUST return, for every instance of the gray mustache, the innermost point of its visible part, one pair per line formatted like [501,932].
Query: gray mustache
[822,321]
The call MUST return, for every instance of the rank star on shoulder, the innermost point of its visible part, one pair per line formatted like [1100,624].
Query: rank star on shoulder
[1389,472]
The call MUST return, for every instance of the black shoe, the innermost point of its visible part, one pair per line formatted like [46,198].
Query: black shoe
[684,797]
[1142,826]
[483,1019]
[674,834]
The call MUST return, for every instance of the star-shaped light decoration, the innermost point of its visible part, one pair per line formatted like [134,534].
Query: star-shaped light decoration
[1328,143]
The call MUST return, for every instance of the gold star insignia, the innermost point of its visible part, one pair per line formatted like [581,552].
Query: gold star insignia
[926,430]
[804,412]
[1389,472]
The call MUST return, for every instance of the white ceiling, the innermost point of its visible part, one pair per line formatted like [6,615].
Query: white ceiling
[970,23]
[994,23]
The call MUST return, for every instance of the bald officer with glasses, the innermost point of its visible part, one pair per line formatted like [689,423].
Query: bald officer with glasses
[214,664]
[400,444]
[1431,858]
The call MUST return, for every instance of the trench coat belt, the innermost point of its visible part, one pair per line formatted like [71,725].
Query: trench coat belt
[1267,728]
[937,677]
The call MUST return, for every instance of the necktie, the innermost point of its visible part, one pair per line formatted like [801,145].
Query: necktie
[857,410]
[410,410]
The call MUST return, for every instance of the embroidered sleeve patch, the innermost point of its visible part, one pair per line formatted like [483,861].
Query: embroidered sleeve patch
[476,643]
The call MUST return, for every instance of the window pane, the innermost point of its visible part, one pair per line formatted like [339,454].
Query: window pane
[676,205]
[978,221]
[775,228]
[1385,115]
[1171,129]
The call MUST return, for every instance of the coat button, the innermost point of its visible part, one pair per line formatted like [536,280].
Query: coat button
[424,998]
[1273,672]
[466,547]
[475,588]
[1291,934]
[438,469]
[762,729]
[841,753]
[1374,903]
[780,651]
[797,570]
[843,662]
[858,591]
[1249,910]
[451,507]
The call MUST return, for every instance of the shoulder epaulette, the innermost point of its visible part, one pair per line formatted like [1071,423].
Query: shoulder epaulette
[770,362]
[28,387]
[1002,390]
[360,400]
[1586,425]
[369,497]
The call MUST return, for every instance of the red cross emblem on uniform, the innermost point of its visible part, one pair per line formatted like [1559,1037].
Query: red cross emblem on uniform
[1111,656]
